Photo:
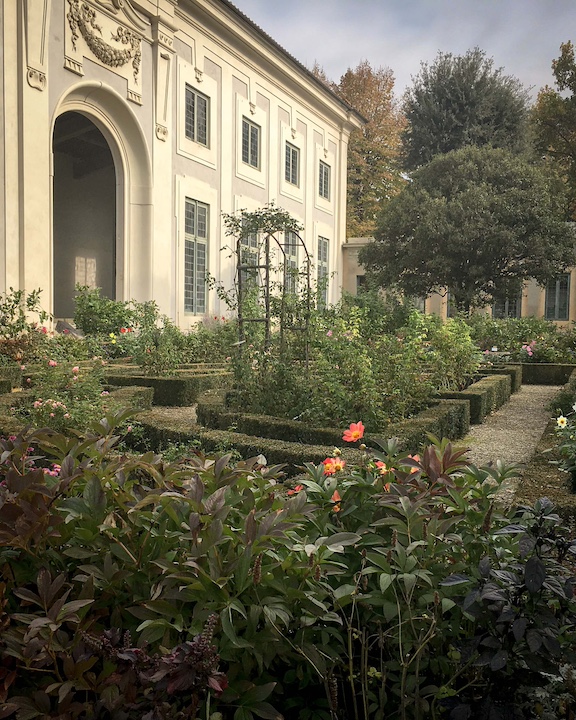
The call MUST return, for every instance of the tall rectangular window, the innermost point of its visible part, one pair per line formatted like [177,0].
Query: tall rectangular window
[195,256]
[322,264]
[324,180]
[250,143]
[249,260]
[196,116]
[292,167]
[291,243]
[558,298]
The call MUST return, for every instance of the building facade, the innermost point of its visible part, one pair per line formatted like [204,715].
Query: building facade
[556,301]
[127,128]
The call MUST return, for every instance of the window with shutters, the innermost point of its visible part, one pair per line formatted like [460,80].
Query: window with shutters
[558,298]
[292,165]
[324,180]
[250,143]
[196,121]
[195,256]
[322,267]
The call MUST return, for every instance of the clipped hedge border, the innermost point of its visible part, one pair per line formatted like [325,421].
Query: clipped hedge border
[515,372]
[546,373]
[449,418]
[134,396]
[564,398]
[172,391]
[445,419]
[485,396]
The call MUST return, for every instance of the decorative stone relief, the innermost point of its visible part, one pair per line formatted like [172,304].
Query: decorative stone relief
[36,15]
[36,79]
[161,132]
[82,19]
[163,54]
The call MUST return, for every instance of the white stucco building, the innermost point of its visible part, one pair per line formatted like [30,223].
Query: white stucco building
[128,126]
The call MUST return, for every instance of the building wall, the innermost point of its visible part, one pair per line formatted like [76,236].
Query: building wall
[533,302]
[60,61]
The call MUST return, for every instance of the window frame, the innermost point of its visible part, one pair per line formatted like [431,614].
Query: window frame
[251,125]
[552,309]
[190,90]
[501,308]
[291,265]
[324,180]
[291,163]
[323,265]
[193,241]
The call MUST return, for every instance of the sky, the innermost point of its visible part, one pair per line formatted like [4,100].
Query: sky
[521,36]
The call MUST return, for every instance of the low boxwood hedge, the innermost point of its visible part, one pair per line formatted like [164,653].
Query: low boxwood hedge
[515,372]
[251,435]
[546,373]
[485,396]
[172,391]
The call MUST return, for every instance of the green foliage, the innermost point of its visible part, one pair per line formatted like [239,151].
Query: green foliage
[268,220]
[478,221]
[158,345]
[527,339]
[367,359]
[341,597]
[554,119]
[459,101]
[64,396]
[95,314]
[21,338]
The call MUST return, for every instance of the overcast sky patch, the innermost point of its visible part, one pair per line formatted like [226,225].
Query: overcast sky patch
[522,36]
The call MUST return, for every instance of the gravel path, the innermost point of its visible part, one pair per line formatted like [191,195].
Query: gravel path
[511,433]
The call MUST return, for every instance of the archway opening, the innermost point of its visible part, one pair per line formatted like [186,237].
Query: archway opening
[84,211]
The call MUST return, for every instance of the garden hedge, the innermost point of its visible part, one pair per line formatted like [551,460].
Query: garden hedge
[485,396]
[445,419]
[449,418]
[172,391]
[546,373]
[515,372]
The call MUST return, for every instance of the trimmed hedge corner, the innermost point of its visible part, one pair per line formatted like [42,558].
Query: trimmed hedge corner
[486,395]
[515,372]
[134,396]
[546,373]
[171,391]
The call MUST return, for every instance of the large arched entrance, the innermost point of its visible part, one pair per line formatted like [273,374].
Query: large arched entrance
[84,211]
[102,198]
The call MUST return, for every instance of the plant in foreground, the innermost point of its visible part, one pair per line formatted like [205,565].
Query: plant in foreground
[392,588]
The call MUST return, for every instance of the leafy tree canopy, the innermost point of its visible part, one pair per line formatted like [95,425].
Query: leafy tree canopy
[462,100]
[374,173]
[478,221]
[554,119]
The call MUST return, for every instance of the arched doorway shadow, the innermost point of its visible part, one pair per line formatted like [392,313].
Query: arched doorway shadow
[102,228]
[84,211]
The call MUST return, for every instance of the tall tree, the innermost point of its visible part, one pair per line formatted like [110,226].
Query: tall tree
[462,100]
[554,119]
[374,173]
[477,221]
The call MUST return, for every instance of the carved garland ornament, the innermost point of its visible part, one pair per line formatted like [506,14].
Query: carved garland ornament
[82,18]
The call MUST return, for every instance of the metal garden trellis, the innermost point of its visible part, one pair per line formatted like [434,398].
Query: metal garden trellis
[262,228]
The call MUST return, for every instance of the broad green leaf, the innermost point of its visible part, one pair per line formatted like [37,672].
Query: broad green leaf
[385,581]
